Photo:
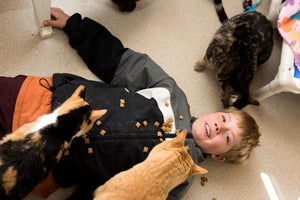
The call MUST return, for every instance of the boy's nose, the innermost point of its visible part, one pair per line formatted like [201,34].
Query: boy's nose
[217,128]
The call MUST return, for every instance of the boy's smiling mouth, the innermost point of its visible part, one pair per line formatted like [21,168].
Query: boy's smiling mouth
[207,130]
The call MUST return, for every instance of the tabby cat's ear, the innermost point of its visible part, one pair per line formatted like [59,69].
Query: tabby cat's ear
[233,98]
[196,169]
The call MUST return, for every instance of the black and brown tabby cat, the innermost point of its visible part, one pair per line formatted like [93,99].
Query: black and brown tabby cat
[28,154]
[167,165]
[242,43]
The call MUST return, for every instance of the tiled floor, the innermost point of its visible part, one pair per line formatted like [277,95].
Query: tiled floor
[175,33]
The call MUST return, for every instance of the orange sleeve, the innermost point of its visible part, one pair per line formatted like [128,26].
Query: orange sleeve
[32,102]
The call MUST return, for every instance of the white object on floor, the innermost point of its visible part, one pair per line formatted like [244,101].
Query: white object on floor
[269,186]
[42,12]
[286,80]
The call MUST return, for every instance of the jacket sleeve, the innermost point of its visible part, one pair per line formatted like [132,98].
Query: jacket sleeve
[99,49]
[107,58]
[179,191]
[138,71]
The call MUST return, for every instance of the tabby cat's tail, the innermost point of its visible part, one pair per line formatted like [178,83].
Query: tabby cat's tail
[220,11]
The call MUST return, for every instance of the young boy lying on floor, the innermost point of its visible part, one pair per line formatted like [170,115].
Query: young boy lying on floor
[144,107]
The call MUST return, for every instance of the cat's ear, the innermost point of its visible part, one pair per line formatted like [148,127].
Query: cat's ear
[218,157]
[96,114]
[233,98]
[181,136]
[196,169]
[177,142]
[80,91]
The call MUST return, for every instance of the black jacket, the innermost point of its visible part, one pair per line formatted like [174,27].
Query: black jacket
[143,85]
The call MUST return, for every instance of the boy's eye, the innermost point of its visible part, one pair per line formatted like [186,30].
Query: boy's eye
[223,118]
[227,139]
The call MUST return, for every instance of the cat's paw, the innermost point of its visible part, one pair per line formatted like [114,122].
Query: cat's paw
[253,101]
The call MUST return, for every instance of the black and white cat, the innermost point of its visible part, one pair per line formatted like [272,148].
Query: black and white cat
[28,154]
[242,43]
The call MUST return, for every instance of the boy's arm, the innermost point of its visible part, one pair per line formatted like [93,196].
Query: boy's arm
[105,56]
[99,49]
[138,71]
[179,191]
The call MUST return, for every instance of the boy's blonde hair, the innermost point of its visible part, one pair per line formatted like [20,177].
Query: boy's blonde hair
[250,137]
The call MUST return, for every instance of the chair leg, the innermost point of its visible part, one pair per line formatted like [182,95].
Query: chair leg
[41,10]
[274,12]
[284,80]
[268,90]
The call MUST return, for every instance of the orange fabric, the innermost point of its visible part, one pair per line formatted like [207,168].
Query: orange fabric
[33,101]
[46,187]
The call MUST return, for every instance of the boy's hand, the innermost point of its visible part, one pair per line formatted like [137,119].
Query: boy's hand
[59,18]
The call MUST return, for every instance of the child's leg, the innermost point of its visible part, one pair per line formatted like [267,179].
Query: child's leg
[46,187]
[9,89]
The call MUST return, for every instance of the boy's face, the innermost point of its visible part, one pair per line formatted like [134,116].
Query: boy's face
[216,133]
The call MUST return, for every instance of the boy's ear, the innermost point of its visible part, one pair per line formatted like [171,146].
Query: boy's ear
[218,158]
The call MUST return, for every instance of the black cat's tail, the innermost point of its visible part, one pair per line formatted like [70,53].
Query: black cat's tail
[247,5]
[220,11]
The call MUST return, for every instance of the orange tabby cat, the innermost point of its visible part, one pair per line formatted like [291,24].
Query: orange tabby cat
[167,165]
